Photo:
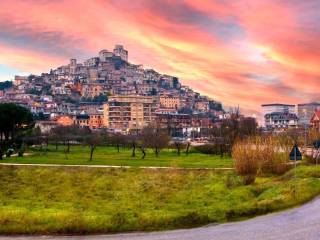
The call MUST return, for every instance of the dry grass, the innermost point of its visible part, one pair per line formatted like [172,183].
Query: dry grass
[261,155]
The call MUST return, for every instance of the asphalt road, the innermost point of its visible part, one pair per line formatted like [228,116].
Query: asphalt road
[302,223]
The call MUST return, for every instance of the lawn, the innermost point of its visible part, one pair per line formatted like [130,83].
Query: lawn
[110,156]
[64,200]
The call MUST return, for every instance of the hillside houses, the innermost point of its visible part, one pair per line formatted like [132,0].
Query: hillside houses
[68,91]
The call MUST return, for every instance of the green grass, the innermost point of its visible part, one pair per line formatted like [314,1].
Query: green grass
[110,156]
[61,200]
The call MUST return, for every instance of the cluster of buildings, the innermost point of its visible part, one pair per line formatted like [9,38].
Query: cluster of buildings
[283,116]
[108,91]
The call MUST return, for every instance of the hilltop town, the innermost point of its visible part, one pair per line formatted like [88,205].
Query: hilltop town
[108,91]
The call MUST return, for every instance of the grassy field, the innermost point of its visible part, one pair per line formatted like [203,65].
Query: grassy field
[110,156]
[60,200]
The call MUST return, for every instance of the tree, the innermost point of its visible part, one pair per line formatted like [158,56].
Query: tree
[56,135]
[34,136]
[33,91]
[178,146]
[5,85]
[132,139]
[41,116]
[117,140]
[13,120]
[68,134]
[93,139]
[155,138]
[234,128]
[98,99]
[247,127]
[188,147]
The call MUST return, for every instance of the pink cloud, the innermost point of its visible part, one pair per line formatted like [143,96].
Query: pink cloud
[273,55]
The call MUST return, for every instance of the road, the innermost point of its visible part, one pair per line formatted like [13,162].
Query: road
[302,223]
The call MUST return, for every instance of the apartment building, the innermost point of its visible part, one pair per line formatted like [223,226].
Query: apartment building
[170,102]
[129,112]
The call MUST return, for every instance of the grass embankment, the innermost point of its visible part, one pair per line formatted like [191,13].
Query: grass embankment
[39,200]
[110,156]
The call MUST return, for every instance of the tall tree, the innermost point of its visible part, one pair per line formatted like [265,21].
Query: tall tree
[13,120]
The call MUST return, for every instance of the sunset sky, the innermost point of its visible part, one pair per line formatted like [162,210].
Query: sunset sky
[245,52]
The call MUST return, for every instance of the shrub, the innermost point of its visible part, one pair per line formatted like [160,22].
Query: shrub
[266,155]
[245,161]
[312,159]
[274,153]
[208,149]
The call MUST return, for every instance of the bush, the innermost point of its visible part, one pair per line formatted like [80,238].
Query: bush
[274,154]
[208,149]
[245,161]
[266,155]
[312,159]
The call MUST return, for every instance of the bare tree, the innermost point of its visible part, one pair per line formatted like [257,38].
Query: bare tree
[143,151]
[155,138]
[117,140]
[132,140]
[188,148]
[178,146]
[75,134]
[93,139]
[56,135]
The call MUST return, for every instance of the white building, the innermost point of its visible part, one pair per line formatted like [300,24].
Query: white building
[279,116]
[280,120]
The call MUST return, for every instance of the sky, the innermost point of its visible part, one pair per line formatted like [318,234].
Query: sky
[244,52]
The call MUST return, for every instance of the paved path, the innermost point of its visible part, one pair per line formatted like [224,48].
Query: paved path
[106,166]
[301,223]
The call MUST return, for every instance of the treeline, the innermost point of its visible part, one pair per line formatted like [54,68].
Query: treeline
[17,133]
[149,137]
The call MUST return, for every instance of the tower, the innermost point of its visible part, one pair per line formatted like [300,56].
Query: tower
[73,65]
[121,52]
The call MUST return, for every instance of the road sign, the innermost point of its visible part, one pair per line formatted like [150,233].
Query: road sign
[295,153]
